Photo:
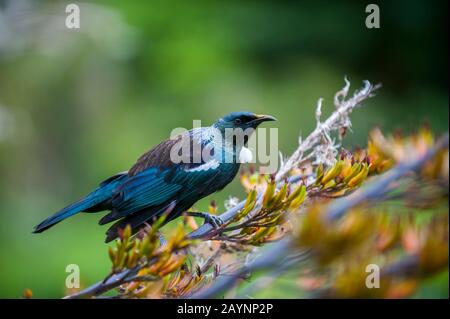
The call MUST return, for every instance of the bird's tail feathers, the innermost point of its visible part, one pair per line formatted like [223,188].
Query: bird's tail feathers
[95,201]
[66,212]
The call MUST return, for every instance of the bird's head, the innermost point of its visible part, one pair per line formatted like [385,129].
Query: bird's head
[242,120]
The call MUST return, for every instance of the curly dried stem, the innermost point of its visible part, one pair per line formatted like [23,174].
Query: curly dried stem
[338,119]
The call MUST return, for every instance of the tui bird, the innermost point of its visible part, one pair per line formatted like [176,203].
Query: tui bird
[168,179]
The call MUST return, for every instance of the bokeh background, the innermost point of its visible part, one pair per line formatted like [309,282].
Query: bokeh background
[79,105]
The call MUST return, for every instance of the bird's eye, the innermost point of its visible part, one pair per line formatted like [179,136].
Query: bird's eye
[237,121]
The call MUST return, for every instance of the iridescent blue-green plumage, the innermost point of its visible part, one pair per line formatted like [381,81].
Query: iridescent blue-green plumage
[156,184]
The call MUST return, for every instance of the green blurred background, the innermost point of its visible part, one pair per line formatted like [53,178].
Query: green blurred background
[79,105]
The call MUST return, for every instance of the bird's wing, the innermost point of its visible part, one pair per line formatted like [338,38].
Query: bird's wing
[158,156]
[189,143]
[153,186]
[149,194]
[113,178]
[155,179]
[148,188]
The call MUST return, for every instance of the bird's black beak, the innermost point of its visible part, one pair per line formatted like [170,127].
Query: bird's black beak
[259,118]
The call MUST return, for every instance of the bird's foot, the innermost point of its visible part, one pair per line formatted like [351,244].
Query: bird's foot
[214,221]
